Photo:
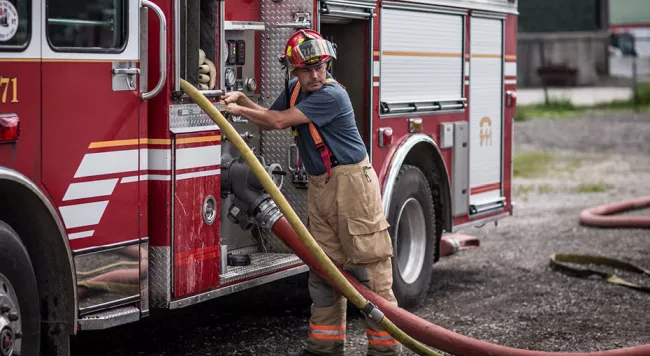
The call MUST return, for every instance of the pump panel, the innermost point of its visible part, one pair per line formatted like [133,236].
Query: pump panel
[281,20]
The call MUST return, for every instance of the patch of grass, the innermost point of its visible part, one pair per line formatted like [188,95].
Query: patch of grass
[555,109]
[567,165]
[530,165]
[565,109]
[587,188]
[643,94]
[524,189]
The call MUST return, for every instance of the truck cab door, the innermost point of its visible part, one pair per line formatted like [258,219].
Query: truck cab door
[20,81]
[92,117]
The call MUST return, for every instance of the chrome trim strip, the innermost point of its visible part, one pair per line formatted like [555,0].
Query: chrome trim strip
[108,247]
[261,263]
[467,4]
[181,303]
[396,165]
[348,3]
[487,207]
[421,113]
[10,174]
[110,318]
[348,14]
[104,306]
[244,25]
[502,154]
[371,80]
[489,15]
[463,91]
[162,50]
[317,12]
[144,278]
[423,8]
[144,54]
[408,102]
[222,42]
[172,222]
[177,45]
[480,222]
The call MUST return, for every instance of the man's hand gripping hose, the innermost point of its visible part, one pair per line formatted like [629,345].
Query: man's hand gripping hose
[292,231]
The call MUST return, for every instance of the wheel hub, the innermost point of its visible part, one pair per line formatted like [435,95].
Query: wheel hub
[411,240]
[6,340]
[10,323]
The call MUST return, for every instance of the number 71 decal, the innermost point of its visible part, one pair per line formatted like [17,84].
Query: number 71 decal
[5,84]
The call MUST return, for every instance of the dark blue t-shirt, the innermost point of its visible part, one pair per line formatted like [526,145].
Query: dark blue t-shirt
[330,109]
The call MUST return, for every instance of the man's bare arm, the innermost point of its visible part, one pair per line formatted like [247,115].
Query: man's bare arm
[275,120]
[246,102]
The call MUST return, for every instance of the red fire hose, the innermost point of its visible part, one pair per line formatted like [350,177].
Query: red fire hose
[424,331]
[601,215]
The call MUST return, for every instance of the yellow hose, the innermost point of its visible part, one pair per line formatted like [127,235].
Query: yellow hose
[325,263]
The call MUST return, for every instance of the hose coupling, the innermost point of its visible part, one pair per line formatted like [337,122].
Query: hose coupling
[372,312]
[268,214]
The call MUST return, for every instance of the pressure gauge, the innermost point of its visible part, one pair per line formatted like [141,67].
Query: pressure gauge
[230,77]
[251,84]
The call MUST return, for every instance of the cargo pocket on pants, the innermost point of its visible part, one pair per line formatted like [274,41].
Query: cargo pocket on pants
[370,241]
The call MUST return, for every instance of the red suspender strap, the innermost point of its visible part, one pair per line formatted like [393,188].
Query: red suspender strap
[325,153]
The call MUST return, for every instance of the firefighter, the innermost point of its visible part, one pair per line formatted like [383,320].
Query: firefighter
[345,214]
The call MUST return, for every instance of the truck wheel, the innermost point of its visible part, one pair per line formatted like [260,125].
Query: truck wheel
[19,309]
[413,230]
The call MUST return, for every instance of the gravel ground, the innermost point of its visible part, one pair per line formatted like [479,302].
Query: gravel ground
[503,292]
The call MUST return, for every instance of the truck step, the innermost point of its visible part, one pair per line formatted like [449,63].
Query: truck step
[109,318]
[261,263]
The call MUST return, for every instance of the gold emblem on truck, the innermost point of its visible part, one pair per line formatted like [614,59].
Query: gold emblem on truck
[486,131]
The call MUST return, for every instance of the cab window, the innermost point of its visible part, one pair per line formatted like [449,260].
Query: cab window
[15,24]
[87,26]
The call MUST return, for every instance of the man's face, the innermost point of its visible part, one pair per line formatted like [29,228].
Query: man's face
[311,79]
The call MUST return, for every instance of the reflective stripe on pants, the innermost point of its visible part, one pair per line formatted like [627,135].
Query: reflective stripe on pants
[327,329]
[328,322]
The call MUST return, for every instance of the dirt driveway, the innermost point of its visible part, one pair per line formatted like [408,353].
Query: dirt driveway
[504,292]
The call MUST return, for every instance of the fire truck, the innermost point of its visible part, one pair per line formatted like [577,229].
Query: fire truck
[113,197]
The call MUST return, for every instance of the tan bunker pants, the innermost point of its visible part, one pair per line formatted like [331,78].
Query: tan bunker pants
[346,218]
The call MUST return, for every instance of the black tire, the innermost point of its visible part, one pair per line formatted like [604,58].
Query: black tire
[411,194]
[16,267]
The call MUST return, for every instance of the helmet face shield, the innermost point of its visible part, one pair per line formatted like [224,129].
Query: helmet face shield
[310,52]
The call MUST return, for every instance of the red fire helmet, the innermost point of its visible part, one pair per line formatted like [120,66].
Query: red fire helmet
[307,48]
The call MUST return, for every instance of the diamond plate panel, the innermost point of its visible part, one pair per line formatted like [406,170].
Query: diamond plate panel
[261,263]
[190,118]
[274,143]
[159,276]
[110,318]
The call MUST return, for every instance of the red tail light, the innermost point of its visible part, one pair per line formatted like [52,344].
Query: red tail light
[9,127]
